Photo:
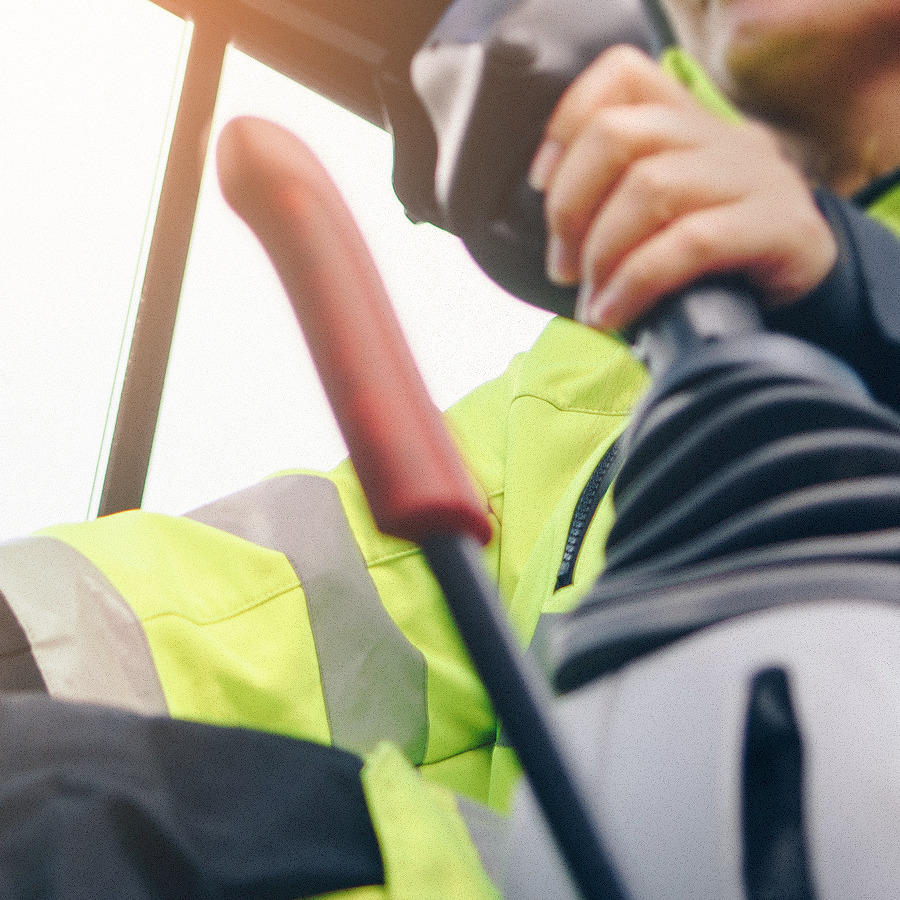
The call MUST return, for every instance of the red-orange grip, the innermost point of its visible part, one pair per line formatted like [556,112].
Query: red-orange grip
[410,469]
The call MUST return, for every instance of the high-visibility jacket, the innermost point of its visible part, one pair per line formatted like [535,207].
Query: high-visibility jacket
[283,608]
[200,617]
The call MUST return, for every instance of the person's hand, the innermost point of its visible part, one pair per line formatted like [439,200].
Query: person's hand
[646,192]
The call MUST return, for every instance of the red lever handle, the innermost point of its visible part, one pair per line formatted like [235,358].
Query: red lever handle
[410,469]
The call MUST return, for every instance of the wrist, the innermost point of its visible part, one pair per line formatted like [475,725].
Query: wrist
[831,313]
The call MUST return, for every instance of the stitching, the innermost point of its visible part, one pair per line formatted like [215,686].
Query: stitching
[252,604]
[415,550]
[578,409]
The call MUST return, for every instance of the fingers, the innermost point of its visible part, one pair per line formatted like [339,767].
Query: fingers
[621,109]
[645,192]
[659,190]
[731,237]
[650,198]
[617,151]
[621,76]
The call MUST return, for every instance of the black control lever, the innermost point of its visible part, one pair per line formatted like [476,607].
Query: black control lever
[487,78]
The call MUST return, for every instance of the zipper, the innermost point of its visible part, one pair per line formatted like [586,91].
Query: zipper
[597,485]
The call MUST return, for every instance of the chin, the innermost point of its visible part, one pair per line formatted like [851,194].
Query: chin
[778,78]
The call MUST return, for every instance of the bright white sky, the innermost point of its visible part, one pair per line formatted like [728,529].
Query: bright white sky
[86,97]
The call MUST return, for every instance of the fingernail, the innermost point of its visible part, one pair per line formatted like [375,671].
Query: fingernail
[595,308]
[584,303]
[544,162]
[562,264]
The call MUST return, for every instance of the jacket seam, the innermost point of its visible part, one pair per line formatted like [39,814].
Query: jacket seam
[579,409]
[415,550]
[252,604]
[488,744]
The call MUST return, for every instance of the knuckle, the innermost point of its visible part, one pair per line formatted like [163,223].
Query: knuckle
[620,68]
[698,241]
[626,59]
[650,179]
[650,187]
[608,128]
[563,218]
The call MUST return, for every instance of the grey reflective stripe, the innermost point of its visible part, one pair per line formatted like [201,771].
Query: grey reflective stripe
[373,679]
[490,835]
[542,641]
[86,640]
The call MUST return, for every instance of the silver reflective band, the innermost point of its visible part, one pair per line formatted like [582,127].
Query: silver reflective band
[489,831]
[88,643]
[373,678]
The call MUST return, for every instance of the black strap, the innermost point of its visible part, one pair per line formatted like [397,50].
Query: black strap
[775,857]
[590,498]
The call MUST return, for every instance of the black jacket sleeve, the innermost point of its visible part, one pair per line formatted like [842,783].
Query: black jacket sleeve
[97,802]
[855,311]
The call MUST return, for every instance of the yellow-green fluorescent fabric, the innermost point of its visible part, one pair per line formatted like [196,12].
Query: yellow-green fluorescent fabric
[341,634]
[886,209]
[283,608]
[425,844]
[424,836]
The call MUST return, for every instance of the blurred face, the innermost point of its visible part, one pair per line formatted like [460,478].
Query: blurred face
[779,57]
